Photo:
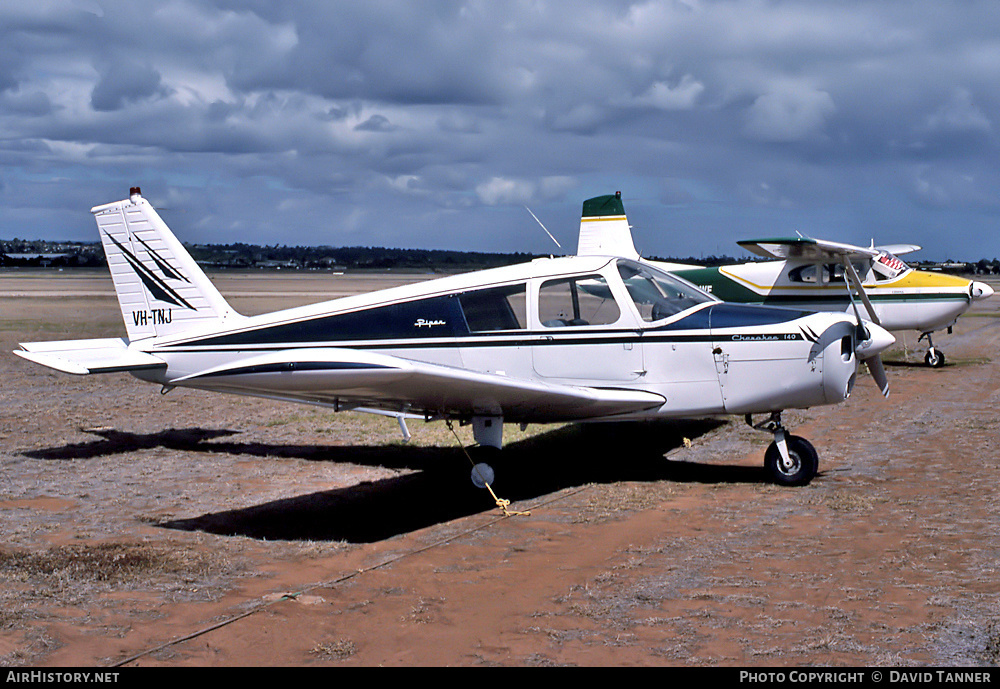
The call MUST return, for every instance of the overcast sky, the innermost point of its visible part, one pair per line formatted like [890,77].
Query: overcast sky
[434,124]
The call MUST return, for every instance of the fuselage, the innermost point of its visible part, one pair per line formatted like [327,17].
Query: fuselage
[587,321]
[913,300]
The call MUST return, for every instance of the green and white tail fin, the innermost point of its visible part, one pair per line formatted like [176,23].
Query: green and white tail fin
[604,229]
[161,289]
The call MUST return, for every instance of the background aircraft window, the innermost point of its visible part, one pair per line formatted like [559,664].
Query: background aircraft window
[804,274]
[656,294]
[577,301]
[832,273]
[836,271]
[497,308]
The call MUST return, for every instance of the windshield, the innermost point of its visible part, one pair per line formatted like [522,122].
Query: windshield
[658,294]
[888,266]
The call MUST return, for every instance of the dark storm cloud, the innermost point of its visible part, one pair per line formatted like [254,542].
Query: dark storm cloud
[410,123]
[124,83]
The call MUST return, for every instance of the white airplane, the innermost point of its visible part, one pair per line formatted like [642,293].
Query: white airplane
[814,274]
[580,338]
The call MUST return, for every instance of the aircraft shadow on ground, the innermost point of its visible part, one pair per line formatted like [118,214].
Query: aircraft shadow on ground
[897,363]
[439,489]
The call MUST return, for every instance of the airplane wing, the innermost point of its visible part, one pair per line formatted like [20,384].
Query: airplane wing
[350,379]
[898,249]
[807,249]
[82,357]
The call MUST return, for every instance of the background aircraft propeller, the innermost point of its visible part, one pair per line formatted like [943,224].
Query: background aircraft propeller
[864,338]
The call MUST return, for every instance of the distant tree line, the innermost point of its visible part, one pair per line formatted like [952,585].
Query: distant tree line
[44,253]
[56,254]
[40,253]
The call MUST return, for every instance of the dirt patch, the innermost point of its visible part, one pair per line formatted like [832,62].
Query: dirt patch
[191,529]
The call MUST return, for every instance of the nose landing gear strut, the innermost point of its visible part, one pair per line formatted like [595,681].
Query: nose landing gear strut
[934,357]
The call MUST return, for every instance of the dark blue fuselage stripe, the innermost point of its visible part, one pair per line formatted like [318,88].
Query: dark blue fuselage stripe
[286,366]
[539,340]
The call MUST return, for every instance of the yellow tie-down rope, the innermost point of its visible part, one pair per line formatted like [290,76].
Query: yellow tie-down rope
[501,502]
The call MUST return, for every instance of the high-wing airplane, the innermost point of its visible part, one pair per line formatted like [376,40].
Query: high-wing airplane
[579,338]
[818,275]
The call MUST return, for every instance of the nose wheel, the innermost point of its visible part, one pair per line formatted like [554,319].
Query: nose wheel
[934,357]
[790,460]
[796,466]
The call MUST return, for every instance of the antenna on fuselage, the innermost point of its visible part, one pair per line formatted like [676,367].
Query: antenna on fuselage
[543,227]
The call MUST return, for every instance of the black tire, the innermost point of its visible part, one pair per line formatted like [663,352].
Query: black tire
[805,462]
[934,359]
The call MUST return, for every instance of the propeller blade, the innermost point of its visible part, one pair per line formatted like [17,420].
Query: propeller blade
[877,339]
[860,332]
[877,370]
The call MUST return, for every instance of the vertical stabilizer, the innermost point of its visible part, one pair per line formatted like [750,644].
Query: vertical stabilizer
[161,290]
[604,229]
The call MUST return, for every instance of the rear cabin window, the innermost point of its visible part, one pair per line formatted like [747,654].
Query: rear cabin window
[497,308]
[577,301]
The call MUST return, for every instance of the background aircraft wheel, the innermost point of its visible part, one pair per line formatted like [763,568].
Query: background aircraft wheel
[804,462]
[934,358]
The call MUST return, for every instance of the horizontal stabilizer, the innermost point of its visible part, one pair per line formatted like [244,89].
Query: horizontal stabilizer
[81,357]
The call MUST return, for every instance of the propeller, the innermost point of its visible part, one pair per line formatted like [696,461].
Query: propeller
[869,341]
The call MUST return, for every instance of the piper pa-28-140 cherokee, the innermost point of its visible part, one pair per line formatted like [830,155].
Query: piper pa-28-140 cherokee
[572,339]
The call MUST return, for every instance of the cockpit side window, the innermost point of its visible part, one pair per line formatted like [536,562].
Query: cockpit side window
[656,294]
[585,300]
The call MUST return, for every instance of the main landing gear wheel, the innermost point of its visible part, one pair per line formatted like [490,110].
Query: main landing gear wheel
[802,464]
[934,358]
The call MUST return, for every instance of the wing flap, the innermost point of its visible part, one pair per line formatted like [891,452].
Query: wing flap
[82,357]
[352,378]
